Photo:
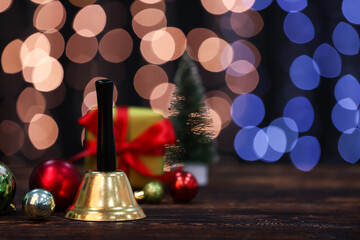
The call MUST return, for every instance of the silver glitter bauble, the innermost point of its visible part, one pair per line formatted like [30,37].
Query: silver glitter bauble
[38,204]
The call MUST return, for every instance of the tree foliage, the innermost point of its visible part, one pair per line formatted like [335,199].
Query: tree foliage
[190,117]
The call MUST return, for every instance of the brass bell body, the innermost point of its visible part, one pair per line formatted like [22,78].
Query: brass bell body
[105,196]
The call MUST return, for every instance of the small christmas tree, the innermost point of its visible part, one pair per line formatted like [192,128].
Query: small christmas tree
[190,117]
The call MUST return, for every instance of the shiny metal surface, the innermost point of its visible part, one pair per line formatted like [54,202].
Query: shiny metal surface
[105,196]
[38,204]
[139,196]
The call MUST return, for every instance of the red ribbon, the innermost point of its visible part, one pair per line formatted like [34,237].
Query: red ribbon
[150,143]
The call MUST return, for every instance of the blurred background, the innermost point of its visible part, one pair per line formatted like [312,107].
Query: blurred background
[280,75]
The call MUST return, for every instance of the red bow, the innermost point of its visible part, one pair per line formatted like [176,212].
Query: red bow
[151,142]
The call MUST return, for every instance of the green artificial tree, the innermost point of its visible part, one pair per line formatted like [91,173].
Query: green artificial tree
[190,117]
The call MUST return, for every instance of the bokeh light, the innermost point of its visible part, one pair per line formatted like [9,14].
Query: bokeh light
[261,4]
[33,59]
[180,41]
[138,6]
[221,105]
[116,45]
[164,43]
[90,21]
[348,103]
[57,43]
[346,39]
[35,48]
[148,20]
[48,75]
[289,128]
[160,46]
[151,1]
[215,54]
[299,28]
[10,57]
[351,9]
[301,111]
[43,131]
[12,137]
[224,48]
[160,98]
[29,103]
[217,7]
[147,78]
[247,110]
[304,73]
[41,1]
[260,143]
[347,87]
[5,5]
[244,143]
[306,154]
[239,6]
[348,146]
[241,77]
[50,16]
[328,61]
[81,49]
[194,40]
[292,5]
[273,140]
[245,50]
[82,3]
[89,103]
[246,24]
[226,28]
[346,118]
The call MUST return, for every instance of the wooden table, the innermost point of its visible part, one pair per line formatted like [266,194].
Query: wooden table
[242,201]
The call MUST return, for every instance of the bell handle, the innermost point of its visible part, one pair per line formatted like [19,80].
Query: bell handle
[106,153]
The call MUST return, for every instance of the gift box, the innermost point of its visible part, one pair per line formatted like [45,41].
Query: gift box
[140,138]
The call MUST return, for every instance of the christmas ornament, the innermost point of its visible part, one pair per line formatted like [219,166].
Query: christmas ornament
[153,192]
[38,204]
[139,196]
[7,187]
[59,177]
[183,187]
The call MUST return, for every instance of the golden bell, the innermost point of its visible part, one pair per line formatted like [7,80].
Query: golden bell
[105,196]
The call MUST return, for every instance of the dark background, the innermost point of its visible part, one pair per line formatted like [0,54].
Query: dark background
[275,87]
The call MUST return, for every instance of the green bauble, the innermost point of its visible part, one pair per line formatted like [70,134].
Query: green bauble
[7,186]
[154,192]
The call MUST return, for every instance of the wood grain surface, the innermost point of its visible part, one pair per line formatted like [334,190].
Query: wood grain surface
[242,201]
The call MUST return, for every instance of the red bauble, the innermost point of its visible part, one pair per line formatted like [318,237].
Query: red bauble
[183,187]
[59,177]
